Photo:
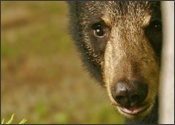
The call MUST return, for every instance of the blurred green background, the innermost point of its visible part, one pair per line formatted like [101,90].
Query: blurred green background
[42,78]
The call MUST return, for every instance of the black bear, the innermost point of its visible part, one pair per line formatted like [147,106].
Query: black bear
[120,44]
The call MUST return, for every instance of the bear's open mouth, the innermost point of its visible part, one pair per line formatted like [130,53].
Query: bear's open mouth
[133,111]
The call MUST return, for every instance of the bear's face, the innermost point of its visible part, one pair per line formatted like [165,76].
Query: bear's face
[121,45]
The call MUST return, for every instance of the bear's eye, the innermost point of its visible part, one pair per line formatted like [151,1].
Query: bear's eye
[98,30]
[156,25]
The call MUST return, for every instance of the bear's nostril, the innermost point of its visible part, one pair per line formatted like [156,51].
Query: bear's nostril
[120,97]
[134,99]
[123,100]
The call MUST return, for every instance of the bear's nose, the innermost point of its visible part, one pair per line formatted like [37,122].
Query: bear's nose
[129,94]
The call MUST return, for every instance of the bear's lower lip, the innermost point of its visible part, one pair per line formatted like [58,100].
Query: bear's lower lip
[133,111]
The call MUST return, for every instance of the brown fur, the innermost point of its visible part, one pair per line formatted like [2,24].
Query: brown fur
[129,51]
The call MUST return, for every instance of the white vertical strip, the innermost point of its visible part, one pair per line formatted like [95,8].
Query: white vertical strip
[166,103]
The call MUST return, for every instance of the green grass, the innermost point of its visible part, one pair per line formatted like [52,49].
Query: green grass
[10,121]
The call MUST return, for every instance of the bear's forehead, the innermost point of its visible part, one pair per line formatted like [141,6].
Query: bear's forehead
[120,12]
[120,7]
